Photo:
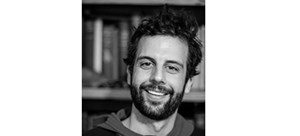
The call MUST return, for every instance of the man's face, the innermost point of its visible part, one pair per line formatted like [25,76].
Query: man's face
[158,78]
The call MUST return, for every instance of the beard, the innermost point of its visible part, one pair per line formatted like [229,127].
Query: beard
[153,109]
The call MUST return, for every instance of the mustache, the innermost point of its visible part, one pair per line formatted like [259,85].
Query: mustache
[157,87]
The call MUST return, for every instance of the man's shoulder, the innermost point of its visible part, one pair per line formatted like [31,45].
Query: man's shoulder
[98,131]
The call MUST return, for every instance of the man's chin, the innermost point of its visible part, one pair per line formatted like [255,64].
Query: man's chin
[155,108]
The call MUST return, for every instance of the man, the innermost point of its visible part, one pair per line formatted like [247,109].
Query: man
[162,59]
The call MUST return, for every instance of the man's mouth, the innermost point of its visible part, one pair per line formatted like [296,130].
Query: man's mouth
[156,93]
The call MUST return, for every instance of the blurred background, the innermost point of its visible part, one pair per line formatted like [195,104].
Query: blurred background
[106,29]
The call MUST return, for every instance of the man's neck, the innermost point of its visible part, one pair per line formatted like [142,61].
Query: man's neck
[145,126]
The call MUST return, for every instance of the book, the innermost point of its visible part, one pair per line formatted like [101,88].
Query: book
[97,50]
[199,80]
[84,121]
[202,64]
[91,121]
[110,51]
[88,42]
[115,53]
[107,54]
[124,41]
[136,20]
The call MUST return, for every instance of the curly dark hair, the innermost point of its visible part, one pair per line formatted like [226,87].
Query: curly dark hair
[172,23]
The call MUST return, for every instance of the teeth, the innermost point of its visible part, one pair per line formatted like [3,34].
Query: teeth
[156,93]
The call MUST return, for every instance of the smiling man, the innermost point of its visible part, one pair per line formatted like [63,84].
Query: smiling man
[162,59]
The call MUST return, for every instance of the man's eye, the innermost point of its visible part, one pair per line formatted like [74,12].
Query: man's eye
[146,65]
[172,69]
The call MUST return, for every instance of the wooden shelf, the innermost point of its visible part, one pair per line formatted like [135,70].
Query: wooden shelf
[124,94]
[147,2]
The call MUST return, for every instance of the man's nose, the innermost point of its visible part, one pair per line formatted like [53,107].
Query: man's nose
[158,76]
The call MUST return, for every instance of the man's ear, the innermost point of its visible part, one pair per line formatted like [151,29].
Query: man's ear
[128,76]
[188,85]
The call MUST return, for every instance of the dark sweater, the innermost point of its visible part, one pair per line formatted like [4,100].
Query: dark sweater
[111,125]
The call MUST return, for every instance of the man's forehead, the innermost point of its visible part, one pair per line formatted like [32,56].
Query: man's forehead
[163,47]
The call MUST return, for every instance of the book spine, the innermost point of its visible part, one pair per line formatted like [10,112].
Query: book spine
[84,122]
[88,41]
[199,80]
[136,19]
[98,39]
[124,40]
[115,53]
[202,64]
[107,51]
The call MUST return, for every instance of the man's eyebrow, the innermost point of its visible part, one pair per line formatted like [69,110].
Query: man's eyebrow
[176,62]
[145,57]
[153,61]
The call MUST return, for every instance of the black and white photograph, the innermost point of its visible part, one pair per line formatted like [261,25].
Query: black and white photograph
[149,67]
[143,67]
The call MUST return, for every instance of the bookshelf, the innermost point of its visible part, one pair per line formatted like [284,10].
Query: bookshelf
[106,32]
[147,2]
[106,29]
